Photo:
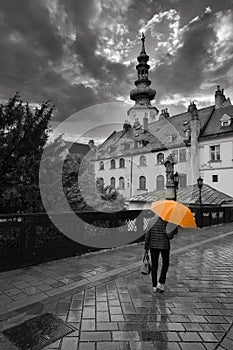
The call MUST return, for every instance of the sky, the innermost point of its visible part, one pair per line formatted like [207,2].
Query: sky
[81,55]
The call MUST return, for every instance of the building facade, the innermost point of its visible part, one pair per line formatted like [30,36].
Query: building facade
[200,140]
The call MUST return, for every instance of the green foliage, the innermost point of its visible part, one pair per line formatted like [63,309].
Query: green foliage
[23,134]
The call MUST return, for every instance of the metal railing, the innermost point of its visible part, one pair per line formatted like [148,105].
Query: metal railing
[27,239]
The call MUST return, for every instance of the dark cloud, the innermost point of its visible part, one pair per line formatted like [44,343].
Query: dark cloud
[185,73]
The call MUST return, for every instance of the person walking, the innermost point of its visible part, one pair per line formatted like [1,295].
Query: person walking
[157,240]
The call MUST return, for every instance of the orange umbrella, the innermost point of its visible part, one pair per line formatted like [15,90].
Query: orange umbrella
[174,212]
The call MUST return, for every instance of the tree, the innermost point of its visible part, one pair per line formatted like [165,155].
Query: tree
[23,135]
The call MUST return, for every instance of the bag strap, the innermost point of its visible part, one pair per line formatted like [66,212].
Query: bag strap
[146,256]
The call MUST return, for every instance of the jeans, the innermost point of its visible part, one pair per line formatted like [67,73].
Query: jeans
[165,253]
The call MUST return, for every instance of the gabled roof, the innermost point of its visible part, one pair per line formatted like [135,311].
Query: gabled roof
[189,196]
[177,124]
[155,138]
[213,128]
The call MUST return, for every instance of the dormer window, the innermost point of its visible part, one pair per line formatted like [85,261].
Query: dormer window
[225,120]
[169,138]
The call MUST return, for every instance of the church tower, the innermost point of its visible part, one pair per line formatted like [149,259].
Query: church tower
[142,94]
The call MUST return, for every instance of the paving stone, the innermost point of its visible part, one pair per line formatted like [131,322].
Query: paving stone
[95,336]
[131,326]
[208,336]
[88,325]
[107,326]
[113,346]
[212,327]
[216,319]
[88,312]
[86,346]
[210,346]
[76,305]
[146,345]
[192,346]
[101,306]
[227,343]
[198,319]
[190,336]
[69,343]
[117,318]
[74,316]
[166,346]
[115,310]
[103,317]
[193,327]
[125,335]
[230,333]
[175,326]
[170,336]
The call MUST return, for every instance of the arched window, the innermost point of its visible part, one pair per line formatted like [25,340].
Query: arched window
[113,164]
[142,182]
[122,163]
[142,161]
[160,182]
[121,183]
[113,182]
[101,165]
[160,158]
[182,180]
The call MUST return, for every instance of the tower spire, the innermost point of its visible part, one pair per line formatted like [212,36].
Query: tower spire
[142,94]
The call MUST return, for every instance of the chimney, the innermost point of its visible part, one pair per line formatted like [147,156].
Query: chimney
[91,144]
[165,113]
[145,122]
[126,126]
[194,146]
[192,109]
[219,97]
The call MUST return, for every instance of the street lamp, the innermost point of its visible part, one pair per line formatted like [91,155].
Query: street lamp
[200,184]
[176,182]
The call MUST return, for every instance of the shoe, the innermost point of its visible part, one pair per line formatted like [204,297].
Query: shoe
[160,288]
[154,289]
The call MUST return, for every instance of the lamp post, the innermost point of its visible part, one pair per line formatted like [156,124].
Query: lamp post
[200,184]
[176,182]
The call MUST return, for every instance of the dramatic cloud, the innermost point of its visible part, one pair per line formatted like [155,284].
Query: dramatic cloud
[82,53]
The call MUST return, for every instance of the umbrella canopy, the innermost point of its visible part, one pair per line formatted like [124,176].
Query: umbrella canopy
[174,212]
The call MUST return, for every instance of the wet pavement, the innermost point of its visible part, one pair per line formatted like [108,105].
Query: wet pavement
[111,305]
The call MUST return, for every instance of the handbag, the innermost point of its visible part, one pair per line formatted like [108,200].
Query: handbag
[146,265]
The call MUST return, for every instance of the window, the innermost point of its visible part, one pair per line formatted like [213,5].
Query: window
[113,164]
[214,178]
[215,153]
[142,161]
[160,158]
[121,183]
[122,163]
[169,138]
[225,120]
[142,182]
[175,155]
[182,180]
[182,155]
[160,182]
[113,182]
[101,165]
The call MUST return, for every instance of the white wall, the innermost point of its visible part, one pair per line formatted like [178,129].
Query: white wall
[224,168]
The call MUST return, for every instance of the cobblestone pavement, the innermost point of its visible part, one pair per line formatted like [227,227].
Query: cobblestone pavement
[112,306]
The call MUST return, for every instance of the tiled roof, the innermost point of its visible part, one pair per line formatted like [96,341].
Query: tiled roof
[214,125]
[155,138]
[188,195]
[176,124]
[76,148]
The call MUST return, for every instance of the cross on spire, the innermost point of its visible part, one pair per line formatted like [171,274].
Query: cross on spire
[143,43]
